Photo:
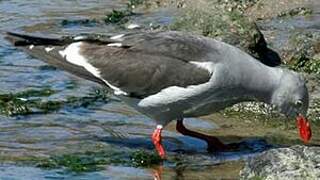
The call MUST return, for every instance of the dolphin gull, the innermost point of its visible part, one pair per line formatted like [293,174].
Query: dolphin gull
[173,75]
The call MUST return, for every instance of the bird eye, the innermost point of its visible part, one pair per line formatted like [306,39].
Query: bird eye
[299,103]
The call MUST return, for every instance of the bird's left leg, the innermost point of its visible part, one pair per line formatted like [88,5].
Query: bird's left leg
[157,141]
[214,144]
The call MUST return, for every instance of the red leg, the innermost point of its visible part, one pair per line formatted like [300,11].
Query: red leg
[214,144]
[156,139]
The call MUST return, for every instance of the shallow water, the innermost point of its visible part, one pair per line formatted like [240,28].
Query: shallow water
[72,130]
[104,126]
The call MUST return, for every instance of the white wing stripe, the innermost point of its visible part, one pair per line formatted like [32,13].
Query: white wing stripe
[72,55]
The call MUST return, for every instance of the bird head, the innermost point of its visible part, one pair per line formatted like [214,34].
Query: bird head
[291,98]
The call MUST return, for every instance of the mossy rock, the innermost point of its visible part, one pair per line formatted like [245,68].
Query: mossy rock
[303,52]
[268,9]
[299,11]
[294,162]
[212,19]
[314,111]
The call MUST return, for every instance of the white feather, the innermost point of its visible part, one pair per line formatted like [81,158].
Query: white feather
[72,55]
[114,45]
[159,126]
[79,37]
[133,26]
[48,49]
[204,65]
[175,93]
[117,37]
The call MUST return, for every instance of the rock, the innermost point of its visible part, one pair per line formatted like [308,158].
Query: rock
[152,4]
[302,51]
[266,9]
[296,162]
[226,22]
[291,27]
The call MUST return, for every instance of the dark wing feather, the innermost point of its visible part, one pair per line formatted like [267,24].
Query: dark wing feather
[53,58]
[152,62]
[178,45]
[145,64]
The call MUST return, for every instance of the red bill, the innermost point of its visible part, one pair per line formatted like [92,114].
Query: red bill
[304,128]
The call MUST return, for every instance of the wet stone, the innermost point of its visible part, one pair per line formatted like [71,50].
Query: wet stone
[228,24]
[296,162]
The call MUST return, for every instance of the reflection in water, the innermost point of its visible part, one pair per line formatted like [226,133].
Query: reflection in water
[157,172]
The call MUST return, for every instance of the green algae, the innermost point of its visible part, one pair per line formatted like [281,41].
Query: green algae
[299,11]
[280,139]
[263,114]
[35,93]
[237,5]
[314,111]
[80,162]
[16,104]
[305,63]
[97,160]
[131,4]
[47,68]
[118,16]
[304,54]
[30,102]
[257,178]
[259,113]
[14,107]
[142,158]
[80,22]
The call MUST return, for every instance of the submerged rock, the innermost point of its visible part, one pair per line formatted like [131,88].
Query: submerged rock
[296,162]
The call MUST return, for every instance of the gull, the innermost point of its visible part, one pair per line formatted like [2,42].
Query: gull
[169,75]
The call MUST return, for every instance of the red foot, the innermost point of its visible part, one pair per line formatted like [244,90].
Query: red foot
[156,139]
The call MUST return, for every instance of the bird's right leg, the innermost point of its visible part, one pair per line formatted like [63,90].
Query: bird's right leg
[157,141]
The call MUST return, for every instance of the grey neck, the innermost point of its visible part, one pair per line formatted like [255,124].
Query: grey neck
[261,82]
